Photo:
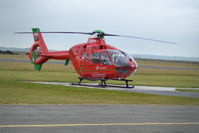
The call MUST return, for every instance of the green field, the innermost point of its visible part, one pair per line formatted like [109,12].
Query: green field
[13,89]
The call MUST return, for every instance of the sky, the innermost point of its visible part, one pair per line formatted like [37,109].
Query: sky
[167,20]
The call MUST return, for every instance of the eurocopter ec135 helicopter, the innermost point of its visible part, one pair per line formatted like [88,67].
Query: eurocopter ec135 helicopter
[93,60]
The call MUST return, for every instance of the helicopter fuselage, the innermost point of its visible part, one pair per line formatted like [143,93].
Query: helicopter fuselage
[98,60]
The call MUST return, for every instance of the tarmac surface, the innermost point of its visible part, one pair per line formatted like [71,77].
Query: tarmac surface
[98,119]
[169,91]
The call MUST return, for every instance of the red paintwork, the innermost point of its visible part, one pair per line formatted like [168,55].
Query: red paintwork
[85,68]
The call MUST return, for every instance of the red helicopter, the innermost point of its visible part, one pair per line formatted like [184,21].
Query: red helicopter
[93,60]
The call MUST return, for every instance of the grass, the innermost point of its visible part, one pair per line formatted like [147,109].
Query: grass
[61,73]
[168,63]
[13,89]
[29,93]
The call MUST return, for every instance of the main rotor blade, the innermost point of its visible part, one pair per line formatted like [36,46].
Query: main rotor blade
[104,34]
[59,32]
[149,39]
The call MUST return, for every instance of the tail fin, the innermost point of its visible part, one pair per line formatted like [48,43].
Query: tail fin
[38,50]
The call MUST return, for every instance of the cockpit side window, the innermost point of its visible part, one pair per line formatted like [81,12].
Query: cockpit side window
[96,58]
[105,59]
[86,57]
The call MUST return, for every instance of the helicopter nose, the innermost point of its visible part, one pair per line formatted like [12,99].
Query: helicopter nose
[135,65]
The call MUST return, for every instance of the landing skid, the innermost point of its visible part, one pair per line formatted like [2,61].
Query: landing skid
[103,83]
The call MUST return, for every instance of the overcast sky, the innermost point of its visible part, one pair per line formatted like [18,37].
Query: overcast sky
[168,20]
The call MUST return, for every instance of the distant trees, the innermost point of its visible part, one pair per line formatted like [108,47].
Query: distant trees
[6,52]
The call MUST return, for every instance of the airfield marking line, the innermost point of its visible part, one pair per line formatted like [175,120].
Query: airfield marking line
[102,124]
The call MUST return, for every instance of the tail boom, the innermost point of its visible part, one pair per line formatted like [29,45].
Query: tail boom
[58,55]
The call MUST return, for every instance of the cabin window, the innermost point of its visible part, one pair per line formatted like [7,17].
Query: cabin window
[105,59]
[96,58]
[86,56]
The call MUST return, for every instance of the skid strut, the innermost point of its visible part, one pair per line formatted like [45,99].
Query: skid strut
[126,81]
[103,83]
[80,80]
